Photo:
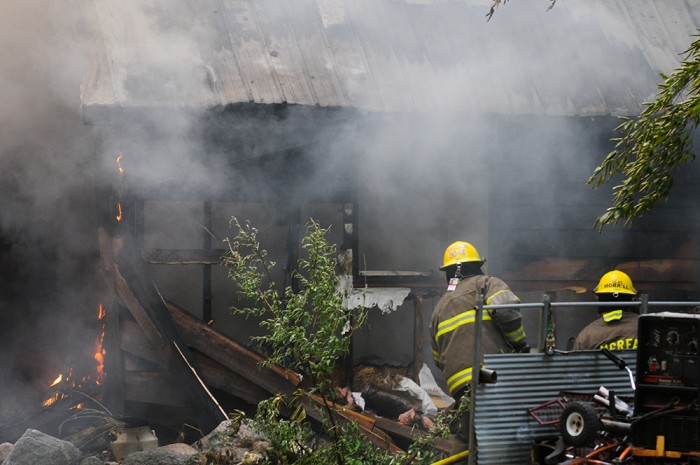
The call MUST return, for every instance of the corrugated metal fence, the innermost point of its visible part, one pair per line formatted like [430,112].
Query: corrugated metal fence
[505,431]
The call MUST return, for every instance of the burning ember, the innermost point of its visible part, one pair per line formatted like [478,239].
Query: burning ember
[57,380]
[52,399]
[120,168]
[66,381]
[119,164]
[100,351]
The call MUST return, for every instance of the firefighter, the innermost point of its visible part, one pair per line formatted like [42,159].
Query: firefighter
[452,326]
[616,327]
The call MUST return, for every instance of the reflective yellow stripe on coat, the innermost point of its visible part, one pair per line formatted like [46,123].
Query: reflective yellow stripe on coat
[502,297]
[459,379]
[517,335]
[459,320]
[612,316]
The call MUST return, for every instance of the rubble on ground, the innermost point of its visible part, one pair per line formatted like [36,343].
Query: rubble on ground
[243,446]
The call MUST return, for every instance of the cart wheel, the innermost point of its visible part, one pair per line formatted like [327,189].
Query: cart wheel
[579,424]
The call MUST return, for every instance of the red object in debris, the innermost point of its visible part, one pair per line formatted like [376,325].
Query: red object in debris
[547,413]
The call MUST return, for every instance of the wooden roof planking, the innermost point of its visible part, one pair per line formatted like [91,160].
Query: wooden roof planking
[589,57]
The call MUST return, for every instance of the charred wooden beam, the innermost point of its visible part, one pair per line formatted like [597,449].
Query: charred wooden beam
[148,308]
[217,376]
[426,282]
[675,270]
[313,403]
[134,342]
[409,434]
[417,362]
[154,387]
[135,363]
[188,359]
[155,337]
[232,355]
[114,390]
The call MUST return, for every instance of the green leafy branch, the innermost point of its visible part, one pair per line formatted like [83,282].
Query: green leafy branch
[653,145]
[309,331]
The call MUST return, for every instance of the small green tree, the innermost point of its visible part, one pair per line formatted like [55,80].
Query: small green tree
[653,144]
[308,331]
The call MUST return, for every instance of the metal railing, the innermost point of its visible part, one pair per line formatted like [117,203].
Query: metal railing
[545,308]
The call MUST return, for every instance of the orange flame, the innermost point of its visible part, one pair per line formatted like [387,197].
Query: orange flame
[119,164]
[57,380]
[52,399]
[121,172]
[66,378]
[100,351]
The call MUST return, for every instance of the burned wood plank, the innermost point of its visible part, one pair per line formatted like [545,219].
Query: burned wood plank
[155,338]
[345,412]
[135,363]
[153,387]
[186,360]
[140,296]
[232,355]
[551,268]
[417,362]
[312,404]
[676,270]
[133,341]
[409,434]
[217,376]
[114,390]
[183,257]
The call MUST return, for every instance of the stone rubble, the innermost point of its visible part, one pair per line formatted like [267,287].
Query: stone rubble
[244,447]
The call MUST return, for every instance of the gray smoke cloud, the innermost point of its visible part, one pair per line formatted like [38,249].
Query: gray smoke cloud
[48,247]
[424,179]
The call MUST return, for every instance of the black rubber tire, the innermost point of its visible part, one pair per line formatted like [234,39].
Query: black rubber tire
[579,424]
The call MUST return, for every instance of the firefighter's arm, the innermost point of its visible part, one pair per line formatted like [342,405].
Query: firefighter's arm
[508,320]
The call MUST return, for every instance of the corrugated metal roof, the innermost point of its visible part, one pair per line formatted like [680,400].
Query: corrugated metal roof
[505,431]
[580,58]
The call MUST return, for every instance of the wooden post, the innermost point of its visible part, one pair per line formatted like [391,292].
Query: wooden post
[350,249]
[113,362]
[418,300]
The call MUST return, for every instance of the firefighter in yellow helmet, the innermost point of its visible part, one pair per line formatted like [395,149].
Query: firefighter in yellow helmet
[452,322]
[616,327]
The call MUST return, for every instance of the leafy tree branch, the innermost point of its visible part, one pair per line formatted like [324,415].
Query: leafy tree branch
[653,145]
[308,331]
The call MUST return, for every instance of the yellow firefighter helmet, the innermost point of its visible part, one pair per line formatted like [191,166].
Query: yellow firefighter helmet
[461,252]
[615,282]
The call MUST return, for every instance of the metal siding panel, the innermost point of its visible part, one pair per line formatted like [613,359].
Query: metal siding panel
[435,55]
[378,45]
[314,52]
[222,58]
[437,50]
[284,53]
[504,429]
[248,43]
